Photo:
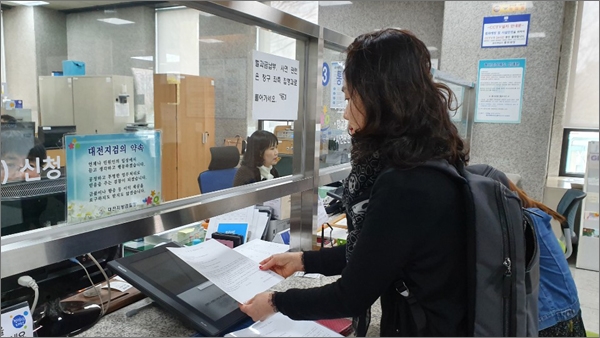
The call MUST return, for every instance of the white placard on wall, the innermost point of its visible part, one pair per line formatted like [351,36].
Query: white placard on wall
[276,87]
[505,31]
[500,91]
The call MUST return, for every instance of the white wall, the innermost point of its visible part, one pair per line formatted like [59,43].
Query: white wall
[520,148]
[20,53]
[178,48]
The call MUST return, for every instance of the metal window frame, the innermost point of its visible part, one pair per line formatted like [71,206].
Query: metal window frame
[564,149]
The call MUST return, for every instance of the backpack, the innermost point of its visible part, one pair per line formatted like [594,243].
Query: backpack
[503,257]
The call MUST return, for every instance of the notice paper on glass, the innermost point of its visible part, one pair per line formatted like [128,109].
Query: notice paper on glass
[275,87]
[279,325]
[231,271]
[500,91]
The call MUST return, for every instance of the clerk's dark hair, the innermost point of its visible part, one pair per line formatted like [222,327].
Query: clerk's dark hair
[406,113]
[258,143]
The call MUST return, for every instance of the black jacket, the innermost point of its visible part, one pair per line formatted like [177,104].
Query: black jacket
[247,175]
[414,229]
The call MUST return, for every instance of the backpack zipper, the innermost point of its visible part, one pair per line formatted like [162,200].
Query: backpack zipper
[507,263]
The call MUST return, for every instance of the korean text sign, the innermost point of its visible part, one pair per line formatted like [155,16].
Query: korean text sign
[338,99]
[17,321]
[499,96]
[276,87]
[113,173]
[505,31]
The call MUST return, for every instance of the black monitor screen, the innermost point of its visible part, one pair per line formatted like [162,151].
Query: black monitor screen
[175,285]
[17,139]
[52,136]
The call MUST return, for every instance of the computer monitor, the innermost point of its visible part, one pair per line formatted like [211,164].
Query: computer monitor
[181,290]
[17,139]
[52,136]
[32,205]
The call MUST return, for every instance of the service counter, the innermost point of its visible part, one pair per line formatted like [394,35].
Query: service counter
[142,320]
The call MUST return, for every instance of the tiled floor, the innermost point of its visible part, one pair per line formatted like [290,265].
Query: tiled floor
[587,289]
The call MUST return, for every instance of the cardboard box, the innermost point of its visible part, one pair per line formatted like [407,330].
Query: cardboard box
[286,147]
[285,136]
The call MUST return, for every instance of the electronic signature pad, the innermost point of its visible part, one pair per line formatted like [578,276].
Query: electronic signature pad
[180,289]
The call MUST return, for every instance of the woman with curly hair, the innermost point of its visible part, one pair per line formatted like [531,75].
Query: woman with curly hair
[405,221]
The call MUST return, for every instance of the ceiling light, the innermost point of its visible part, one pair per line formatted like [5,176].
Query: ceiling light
[334,3]
[116,21]
[210,40]
[432,49]
[143,58]
[27,3]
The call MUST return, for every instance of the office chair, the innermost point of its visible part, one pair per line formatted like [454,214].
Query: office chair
[568,206]
[221,170]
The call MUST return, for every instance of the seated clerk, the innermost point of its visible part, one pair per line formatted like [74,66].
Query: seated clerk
[37,152]
[260,156]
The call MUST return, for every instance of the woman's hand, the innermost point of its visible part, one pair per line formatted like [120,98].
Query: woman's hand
[284,264]
[260,307]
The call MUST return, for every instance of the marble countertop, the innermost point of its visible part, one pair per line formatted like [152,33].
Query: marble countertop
[153,321]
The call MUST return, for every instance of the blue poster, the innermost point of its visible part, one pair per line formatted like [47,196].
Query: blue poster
[505,31]
[499,94]
[112,173]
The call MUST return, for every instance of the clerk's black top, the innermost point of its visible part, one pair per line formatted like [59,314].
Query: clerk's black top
[415,228]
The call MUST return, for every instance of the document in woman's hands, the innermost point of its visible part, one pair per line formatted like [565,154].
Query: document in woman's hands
[279,325]
[234,273]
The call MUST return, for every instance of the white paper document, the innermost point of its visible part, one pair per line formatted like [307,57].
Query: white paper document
[234,273]
[119,286]
[279,325]
[321,213]
[257,222]
[276,205]
[257,250]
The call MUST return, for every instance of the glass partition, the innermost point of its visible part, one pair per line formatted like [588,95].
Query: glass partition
[190,72]
[119,71]
[462,117]
[335,140]
[113,72]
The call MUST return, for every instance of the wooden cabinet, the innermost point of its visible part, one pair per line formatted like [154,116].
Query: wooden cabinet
[184,110]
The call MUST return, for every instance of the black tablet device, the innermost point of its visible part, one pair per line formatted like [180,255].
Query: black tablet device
[180,289]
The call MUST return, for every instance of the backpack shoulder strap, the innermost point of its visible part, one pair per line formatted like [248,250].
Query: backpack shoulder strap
[416,310]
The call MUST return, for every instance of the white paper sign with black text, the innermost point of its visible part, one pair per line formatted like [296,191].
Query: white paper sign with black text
[276,87]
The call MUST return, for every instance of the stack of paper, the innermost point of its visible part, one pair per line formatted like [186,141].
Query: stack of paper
[236,271]
[230,270]
[249,222]
[279,325]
